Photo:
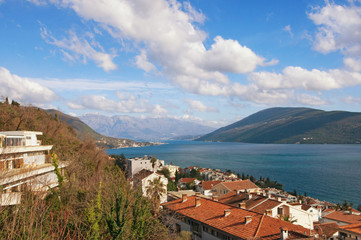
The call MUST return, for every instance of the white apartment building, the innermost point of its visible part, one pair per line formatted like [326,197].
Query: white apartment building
[172,169]
[134,165]
[25,165]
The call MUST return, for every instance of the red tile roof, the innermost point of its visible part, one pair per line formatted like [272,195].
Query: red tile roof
[263,206]
[239,185]
[186,180]
[142,174]
[211,213]
[355,228]
[328,229]
[207,185]
[344,217]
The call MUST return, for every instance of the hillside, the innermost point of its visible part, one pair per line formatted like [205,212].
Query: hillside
[145,129]
[292,125]
[83,131]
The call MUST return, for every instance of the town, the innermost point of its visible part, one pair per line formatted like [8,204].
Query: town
[201,202]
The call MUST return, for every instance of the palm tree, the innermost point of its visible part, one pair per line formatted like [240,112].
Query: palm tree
[155,191]
[287,218]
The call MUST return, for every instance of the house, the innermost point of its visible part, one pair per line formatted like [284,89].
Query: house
[205,187]
[277,208]
[209,219]
[327,231]
[134,165]
[144,178]
[183,182]
[172,169]
[223,188]
[342,218]
[25,165]
[348,232]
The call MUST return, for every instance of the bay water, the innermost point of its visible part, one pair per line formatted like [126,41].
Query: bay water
[327,172]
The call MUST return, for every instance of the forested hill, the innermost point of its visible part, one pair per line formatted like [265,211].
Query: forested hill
[292,125]
[83,131]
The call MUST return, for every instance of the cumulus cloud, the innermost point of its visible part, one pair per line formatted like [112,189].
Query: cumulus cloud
[300,78]
[125,103]
[79,49]
[24,90]
[198,106]
[339,29]
[166,35]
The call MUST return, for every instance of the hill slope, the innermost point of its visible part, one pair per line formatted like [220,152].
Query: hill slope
[148,129]
[83,131]
[292,125]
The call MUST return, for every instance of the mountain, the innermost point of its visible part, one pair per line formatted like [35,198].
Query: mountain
[83,131]
[292,125]
[148,129]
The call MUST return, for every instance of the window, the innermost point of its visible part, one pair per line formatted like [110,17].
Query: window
[178,228]
[280,211]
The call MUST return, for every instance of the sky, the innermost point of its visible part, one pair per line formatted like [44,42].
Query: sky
[213,62]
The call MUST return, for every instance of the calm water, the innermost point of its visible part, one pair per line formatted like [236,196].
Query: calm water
[326,172]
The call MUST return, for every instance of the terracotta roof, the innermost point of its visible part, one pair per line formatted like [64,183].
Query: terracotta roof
[207,185]
[239,185]
[233,198]
[211,213]
[328,229]
[263,206]
[142,174]
[186,180]
[355,228]
[344,217]
[305,207]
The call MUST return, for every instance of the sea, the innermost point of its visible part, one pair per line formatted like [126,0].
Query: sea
[330,172]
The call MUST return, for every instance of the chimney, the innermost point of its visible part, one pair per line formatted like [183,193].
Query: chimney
[284,233]
[198,202]
[249,196]
[242,205]
[227,212]
[279,199]
[215,198]
[184,198]
[237,192]
[268,212]
[247,219]
[269,196]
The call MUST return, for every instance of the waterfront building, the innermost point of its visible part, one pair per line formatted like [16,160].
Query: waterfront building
[205,187]
[223,188]
[25,165]
[350,232]
[342,217]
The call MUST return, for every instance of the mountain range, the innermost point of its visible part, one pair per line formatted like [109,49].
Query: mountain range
[144,129]
[83,131]
[292,125]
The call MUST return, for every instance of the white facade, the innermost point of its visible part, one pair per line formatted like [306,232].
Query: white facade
[137,164]
[24,165]
[172,169]
[144,178]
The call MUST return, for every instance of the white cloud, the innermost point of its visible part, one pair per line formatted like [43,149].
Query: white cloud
[352,100]
[289,30]
[77,49]
[339,29]
[126,103]
[24,90]
[196,105]
[166,36]
[311,100]
[300,78]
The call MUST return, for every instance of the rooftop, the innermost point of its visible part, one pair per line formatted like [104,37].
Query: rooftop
[344,217]
[212,214]
[355,228]
[207,185]
[239,185]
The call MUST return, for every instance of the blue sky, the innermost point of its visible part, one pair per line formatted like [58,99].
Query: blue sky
[213,62]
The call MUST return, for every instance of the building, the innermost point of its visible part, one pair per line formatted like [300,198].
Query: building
[134,165]
[342,217]
[25,165]
[350,232]
[172,169]
[183,182]
[205,187]
[209,219]
[327,231]
[276,208]
[144,178]
[223,188]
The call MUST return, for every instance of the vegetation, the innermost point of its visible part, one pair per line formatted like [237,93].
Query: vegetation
[93,201]
[292,125]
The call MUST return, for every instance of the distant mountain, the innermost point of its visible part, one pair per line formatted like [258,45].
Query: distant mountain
[292,125]
[83,131]
[147,129]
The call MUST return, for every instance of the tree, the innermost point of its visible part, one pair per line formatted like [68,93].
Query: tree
[287,218]
[153,160]
[155,191]
[345,205]
[195,173]
[359,208]
[165,172]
